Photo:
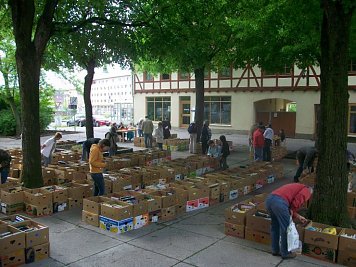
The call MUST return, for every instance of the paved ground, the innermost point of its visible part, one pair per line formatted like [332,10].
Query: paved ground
[195,239]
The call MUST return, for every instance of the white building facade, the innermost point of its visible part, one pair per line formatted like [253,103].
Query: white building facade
[112,96]
[237,98]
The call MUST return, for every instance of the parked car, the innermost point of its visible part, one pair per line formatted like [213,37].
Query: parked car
[75,120]
[100,121]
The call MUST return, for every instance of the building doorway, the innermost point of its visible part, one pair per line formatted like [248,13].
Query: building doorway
[281,113]
[184,112]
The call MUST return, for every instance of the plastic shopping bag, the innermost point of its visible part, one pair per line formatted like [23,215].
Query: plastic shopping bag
[292,237]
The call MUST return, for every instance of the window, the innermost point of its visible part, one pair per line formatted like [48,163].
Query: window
[183,75]
[165,76]
[217,109]
[147,76]
[286,70]
[225,72]
[352,119]
[158,108]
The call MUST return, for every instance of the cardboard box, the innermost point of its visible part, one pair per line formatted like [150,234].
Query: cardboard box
[14,219]
[12,195]
[258,223]
[75,203]
[12,242]
[235,230]
[14,258]
[318,252]
[137,202]
[347,248]
[114,226]
[347,258]
[116,210]
[90,218]
[37,253]
[233,216]
[319,239]
[59,193]
[92,204]
[168,214]
[257,236]
[12,208]
[141,220]
[39,234]
[38,197]
[167,198]
[38,210]
[78,191]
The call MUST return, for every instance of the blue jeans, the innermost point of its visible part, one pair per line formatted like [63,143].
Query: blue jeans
[99,184]
[279,210]
[47,160]
[148,140]
[112,151]
[4,173]
[258,153]
[160,146]
[140,133]
[267,150]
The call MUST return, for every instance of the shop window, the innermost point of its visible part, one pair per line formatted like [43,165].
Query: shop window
[352,65]
[217,109]
[158,108]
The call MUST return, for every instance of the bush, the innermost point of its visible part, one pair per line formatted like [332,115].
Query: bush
[7,123]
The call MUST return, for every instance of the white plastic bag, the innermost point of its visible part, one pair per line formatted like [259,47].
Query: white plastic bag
[292,237]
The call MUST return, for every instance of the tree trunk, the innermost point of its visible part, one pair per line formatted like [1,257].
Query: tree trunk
[330,196]
[29,73]
[199,100]
[29,55]
[87,101]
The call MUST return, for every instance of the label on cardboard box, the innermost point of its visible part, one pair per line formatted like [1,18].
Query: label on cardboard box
[233,194]
[141,220]
[321,253]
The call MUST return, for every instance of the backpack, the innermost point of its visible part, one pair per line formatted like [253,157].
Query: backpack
[192,128]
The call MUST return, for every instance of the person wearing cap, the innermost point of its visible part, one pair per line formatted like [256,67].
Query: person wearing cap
[97,165]
[49,147]
[268,136]
[258,142]
[305,158]
[281,204]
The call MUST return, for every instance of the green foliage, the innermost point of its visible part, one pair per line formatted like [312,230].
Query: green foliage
[7,123]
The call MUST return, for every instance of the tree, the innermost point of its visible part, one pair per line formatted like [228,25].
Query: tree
[33,25]
[187,35]
[274,33]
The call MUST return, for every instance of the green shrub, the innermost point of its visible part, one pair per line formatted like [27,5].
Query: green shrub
[7,123]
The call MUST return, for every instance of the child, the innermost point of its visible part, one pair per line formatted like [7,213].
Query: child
[225,152]
[213,150]
[159,135]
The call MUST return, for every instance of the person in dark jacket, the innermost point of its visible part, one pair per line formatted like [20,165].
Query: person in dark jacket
[5,160]
[87,145]
[166,128]
[225,152]
[205,137]
[305,158]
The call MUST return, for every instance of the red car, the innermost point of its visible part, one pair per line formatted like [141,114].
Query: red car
[100,121]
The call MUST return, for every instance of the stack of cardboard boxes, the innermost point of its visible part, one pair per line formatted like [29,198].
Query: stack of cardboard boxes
[278,152]
[165,199]
[250,220]
[22,240]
